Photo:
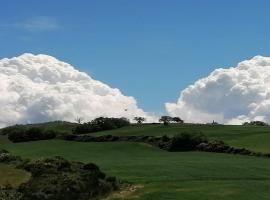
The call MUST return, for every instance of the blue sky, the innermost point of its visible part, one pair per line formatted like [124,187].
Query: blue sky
[150,49]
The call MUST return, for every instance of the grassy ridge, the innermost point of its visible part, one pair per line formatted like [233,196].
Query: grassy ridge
[256,138]
[168,175]
[165,175]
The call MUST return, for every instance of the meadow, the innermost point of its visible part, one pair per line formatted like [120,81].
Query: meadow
[171,175]
[255,138]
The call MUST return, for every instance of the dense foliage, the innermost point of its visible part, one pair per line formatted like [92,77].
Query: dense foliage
[180,142]
[101,124]
[57,178]
[186,142]
[139,120]
[20,134]
[256,123]
[166,120]
[10,129]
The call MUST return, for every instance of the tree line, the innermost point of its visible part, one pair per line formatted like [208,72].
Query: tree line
[166,120]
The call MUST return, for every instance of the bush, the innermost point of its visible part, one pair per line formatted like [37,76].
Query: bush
[11,129]
[9,159]
[56,178]
[101,124]
[9,194]
[3,151]
[31,134]
[256,123]
[186,142]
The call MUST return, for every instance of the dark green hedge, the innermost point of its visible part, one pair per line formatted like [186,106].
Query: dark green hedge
[23,135]
[101,124]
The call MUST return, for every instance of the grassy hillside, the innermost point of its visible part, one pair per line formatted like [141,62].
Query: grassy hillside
[256,138]
[165,175]
[169,175]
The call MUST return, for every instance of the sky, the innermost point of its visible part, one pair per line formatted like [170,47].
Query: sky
[149,49]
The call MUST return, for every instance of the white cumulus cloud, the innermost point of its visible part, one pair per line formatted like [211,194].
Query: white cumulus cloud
[38,88]
[230,96]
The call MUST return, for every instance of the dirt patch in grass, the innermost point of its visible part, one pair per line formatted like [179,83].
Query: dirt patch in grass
[126,191]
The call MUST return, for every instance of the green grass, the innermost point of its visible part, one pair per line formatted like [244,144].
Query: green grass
[256,138]
[4,139]
[169,175]
[12,176]
[165,175]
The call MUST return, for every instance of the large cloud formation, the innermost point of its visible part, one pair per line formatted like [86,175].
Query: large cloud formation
[38,88]
[230,96]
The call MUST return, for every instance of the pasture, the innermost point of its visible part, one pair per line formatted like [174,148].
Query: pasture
[170,175]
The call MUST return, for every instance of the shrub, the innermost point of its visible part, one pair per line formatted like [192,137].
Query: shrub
[101,124]
[91,166]
[165,138]
[16,136]
[256,123]
[3,151]
[9,194]
[49,134]
[186,142]
[8,158]
[58,179]
[11,129]
[31,134]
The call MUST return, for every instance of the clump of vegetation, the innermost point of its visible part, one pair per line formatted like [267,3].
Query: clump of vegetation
[101,124]
[185,142]
[56,178]
[11,129]
[181,142]
[166,120]
[3,151]
[20,134]
[220,147]
[139,120]
[9,193]
[256,123]
[8,158]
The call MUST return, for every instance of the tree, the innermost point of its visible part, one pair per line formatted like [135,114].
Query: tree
[178,120]
[165,120]
[139,120]
[101,124]
[256,123]
[31,134]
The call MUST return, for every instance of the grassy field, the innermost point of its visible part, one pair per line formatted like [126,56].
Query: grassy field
[171,175]
[165,175]
[256,138]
